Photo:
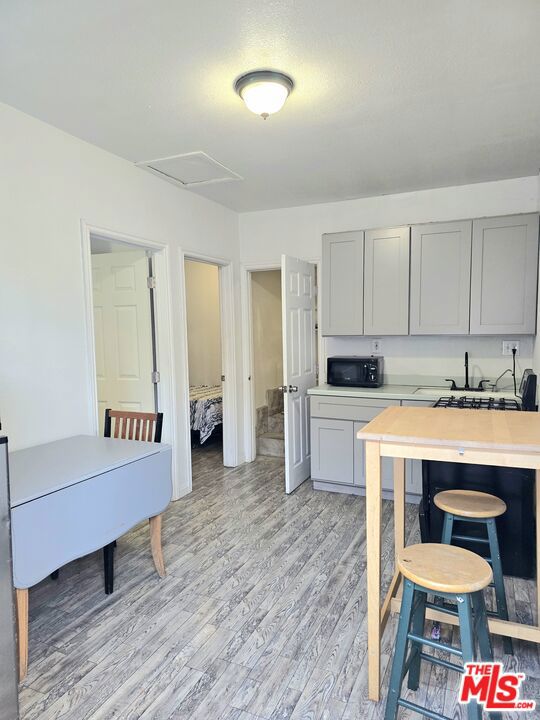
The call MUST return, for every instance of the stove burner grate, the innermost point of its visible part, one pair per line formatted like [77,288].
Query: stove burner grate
[477,403]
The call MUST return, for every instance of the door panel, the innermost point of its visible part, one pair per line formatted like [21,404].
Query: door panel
[333,442]
[386,281]
[299,365]
[342,283]
[123,332]
[504,275]
[440,278]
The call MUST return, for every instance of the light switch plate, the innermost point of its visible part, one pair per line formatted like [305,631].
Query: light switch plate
[376,346]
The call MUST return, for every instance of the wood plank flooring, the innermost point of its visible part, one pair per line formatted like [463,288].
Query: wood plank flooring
[261,615]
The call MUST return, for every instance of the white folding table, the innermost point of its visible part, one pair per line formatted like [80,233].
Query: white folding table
[74,496]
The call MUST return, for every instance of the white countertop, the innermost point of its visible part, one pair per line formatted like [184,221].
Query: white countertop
[402,392]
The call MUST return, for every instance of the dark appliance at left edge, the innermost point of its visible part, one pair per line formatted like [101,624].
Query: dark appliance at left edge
[355,371]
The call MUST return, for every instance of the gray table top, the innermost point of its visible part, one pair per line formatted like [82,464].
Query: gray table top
[43,469]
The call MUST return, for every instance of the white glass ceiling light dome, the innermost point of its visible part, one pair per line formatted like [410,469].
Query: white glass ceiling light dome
[264,91]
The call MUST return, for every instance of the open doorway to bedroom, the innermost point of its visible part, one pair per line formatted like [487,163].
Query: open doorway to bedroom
[204,346]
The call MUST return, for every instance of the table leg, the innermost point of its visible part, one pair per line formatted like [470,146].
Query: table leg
[22,631]
[399,505]
[373,546]
[155,543]
[537,483]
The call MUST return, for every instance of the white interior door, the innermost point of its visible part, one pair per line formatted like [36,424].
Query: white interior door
[123,332]
[299,365]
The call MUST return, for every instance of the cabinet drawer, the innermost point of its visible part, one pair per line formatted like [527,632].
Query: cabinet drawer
[348,408]
[332,450]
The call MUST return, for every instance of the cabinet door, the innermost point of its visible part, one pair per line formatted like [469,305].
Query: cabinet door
[413,468]
[440,278]
[504,275]
[387,476]
[386,281]
[342,283]
[332,449]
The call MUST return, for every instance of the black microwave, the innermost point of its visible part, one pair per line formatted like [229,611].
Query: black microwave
[354,371]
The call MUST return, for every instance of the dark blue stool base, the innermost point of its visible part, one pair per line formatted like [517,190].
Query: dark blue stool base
[494,560]
[471,610]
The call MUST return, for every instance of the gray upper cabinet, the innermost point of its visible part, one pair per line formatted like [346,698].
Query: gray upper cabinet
[386,281]
[504,275]
[342,283]
[440,278]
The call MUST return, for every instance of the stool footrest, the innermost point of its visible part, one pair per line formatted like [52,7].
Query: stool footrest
[421,710]
[434,644]
[443,663]
[470,538]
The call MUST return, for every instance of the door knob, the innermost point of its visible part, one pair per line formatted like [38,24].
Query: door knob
[293,388]
[282,388]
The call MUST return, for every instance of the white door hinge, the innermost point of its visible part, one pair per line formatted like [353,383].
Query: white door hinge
[151,282]
[156,377]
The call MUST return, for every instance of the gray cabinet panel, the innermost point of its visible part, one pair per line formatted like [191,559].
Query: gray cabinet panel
[332,450]
[387,465]
[504,275]
[359,456]
[342,283]
[386,281]
[347,408]
[413,468]
[440,278]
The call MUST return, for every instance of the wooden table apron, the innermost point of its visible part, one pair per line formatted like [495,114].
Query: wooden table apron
[420,450]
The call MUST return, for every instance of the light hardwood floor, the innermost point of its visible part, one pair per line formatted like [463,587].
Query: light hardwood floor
[261,615]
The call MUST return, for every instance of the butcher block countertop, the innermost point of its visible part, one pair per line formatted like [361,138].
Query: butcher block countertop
[486,429]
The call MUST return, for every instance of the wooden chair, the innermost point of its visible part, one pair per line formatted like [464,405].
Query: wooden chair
[147,427]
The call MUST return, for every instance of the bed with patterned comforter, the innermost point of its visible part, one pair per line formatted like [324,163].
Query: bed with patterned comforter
[206,409]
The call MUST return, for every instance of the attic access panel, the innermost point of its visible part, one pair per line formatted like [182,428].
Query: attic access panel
[194,168]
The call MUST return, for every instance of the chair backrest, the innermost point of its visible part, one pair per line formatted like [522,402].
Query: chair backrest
[133,425]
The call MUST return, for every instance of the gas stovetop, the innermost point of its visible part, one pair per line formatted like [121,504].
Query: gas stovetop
[477,403]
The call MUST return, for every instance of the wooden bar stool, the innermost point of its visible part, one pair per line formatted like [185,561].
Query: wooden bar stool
[477,507]
[450,573]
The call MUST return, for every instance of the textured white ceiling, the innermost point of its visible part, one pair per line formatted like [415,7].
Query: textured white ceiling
[391,95]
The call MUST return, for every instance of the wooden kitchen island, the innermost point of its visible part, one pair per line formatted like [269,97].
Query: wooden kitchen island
[481,437]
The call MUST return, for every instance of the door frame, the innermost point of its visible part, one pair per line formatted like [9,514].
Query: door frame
[163,336]
[248,386]
[228,356]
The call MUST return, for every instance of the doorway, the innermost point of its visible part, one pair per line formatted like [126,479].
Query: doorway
[267,375]
[204,350]
[124,327]
[263,408]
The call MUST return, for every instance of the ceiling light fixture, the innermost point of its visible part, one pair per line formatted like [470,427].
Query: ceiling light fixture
[264,91]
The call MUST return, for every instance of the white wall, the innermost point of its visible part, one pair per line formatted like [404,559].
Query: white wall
[297,231]
[267,339]
[203,323]
[49,182]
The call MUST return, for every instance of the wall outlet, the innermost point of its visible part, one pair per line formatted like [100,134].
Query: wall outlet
[508,345]
[376,346]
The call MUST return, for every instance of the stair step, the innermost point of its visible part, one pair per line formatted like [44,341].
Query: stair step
[271,443]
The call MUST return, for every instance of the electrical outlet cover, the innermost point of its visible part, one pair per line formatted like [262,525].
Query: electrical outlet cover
[508,345]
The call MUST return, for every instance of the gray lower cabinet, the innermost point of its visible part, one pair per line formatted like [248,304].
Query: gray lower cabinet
[504,275]
[337,456]
[332,450]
